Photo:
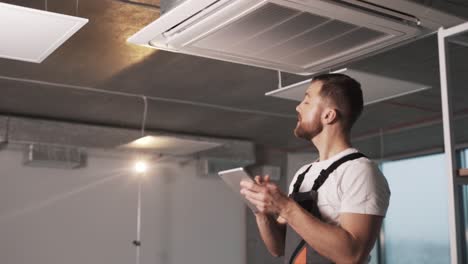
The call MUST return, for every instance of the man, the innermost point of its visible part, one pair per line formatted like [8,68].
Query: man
[335,219]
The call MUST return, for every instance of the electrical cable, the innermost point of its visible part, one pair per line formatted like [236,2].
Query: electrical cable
[137,242]
[145,112]
[280,81]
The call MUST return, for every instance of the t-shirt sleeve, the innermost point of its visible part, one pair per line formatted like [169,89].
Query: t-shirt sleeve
[364,189]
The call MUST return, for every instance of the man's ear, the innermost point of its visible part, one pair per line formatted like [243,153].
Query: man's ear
[330,115]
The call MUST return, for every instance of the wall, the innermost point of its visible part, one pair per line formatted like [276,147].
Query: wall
[88,215]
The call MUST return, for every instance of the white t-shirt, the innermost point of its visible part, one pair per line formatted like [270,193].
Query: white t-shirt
[356,186]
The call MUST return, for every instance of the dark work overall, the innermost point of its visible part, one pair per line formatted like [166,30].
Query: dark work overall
[296,250]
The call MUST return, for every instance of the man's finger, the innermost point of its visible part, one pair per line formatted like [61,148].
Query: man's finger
[251,186]
[253,196]
[258,179]
[272,187]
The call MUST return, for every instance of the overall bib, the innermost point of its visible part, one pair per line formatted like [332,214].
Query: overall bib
[297,251]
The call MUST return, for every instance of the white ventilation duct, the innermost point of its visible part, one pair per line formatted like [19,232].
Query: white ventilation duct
[297,36]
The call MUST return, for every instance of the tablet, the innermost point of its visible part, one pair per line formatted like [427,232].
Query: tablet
[233,178]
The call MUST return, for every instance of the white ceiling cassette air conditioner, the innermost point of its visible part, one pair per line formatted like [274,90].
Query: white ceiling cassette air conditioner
[297,36]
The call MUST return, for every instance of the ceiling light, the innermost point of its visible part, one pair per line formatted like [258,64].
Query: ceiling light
[140,167]
[171,145]
[167,144]
[375,87]
[340,70]
[32,35]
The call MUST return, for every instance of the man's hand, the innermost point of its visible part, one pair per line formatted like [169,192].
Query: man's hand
[266,196]
[262,193]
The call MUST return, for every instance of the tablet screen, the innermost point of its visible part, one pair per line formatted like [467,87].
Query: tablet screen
[233,178]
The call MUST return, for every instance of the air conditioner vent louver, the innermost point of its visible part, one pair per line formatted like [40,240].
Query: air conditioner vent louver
[298,36]
[283,35]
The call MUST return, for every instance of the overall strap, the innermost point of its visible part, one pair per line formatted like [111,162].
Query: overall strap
[300,179]
[324,173]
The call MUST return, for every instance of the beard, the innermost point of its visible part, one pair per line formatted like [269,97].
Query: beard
[301,132]
[306,132]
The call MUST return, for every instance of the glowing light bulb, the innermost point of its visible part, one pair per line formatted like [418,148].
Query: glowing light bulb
[140,167]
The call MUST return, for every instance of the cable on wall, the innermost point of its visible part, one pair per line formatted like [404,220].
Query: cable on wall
[137,242]
[141,174]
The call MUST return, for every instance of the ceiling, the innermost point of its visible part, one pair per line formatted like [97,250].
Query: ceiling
[96,77]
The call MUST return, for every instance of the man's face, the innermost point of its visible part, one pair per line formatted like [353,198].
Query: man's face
[309,112]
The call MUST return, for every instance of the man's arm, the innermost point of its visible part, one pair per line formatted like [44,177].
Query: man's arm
[272,230]
[351,242]
[273,233]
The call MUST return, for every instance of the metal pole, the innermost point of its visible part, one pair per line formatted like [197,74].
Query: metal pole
[449,150]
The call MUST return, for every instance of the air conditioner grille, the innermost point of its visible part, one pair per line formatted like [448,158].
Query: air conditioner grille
[247,27]
[308,39]
[280,34]
[294,26]
[355,39]
[297,36]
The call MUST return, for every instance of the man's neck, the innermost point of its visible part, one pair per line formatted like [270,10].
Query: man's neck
[330,144]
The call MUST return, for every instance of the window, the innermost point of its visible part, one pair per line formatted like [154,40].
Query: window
[373,255]
[464,164]
[416,225]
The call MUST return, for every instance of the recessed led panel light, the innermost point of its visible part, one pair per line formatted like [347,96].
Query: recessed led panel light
[31,35]
[375,88]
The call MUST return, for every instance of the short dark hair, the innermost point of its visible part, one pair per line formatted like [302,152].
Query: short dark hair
[345,92]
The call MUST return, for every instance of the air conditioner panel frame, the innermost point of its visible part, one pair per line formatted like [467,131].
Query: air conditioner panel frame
[183,41]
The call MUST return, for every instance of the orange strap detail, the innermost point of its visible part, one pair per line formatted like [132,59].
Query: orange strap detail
[301,258]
